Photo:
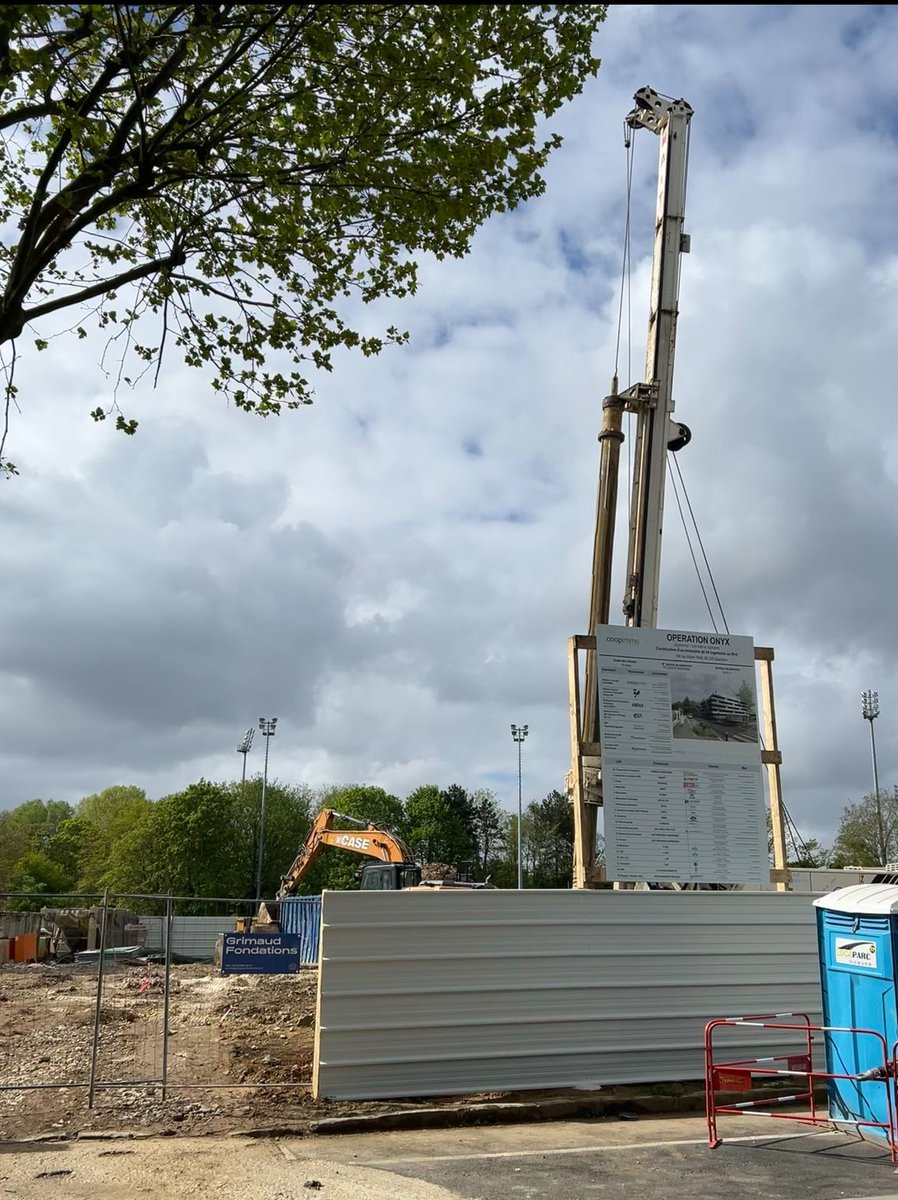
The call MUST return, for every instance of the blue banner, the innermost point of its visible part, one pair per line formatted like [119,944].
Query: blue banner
[260,954]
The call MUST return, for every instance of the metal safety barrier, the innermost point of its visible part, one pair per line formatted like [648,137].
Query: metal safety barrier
[739,1075]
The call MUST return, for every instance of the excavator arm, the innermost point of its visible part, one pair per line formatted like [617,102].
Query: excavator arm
[369,840]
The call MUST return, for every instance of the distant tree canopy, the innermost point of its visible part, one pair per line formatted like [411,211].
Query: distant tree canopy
[868,833]
[202,841]
[548,831]
[233,172]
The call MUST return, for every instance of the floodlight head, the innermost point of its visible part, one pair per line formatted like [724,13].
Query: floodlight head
[245,742]
[870,702]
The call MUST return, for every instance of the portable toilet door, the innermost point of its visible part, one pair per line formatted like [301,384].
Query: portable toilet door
[857,933]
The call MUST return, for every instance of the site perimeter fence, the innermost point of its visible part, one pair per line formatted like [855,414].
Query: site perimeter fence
[125,992]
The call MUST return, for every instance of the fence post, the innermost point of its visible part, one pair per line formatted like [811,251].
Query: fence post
[167,934]
[95,1048]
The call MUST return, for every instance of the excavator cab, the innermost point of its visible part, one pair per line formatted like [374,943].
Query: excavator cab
[389,877]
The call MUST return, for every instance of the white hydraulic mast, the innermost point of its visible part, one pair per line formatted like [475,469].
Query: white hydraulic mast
[656,433]
[653,400]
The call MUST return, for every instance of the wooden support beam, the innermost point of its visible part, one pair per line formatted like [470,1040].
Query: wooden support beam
[772,759]
[581,831]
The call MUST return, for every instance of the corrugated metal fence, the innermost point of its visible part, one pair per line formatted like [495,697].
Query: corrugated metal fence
[429,993]
[302,915]
[194,938]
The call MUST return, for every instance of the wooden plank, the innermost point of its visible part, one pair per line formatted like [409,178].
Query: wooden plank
[580,821]
[772,759]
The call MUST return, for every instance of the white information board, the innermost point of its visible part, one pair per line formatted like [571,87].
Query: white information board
[681,757]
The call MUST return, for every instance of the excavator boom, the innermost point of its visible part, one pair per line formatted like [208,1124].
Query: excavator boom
[369,840]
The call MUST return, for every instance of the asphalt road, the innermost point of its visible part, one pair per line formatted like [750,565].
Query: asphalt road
[650,1159]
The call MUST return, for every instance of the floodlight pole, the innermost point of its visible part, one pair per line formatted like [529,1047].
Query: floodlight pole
[870,711]
[518,734]
[267,726]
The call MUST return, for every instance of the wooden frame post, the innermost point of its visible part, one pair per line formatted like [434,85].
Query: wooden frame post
[576,776]
[772,758]
[584,760]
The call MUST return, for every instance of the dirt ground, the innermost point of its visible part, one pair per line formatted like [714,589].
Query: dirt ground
[254,1031]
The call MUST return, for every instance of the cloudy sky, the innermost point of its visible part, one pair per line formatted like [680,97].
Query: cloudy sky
[395,571]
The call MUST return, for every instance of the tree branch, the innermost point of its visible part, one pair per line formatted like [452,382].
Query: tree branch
[33,221]
[204,286]
[28,111]
[104,286]
[10,391]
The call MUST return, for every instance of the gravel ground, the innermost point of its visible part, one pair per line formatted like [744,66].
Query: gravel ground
[227,1168]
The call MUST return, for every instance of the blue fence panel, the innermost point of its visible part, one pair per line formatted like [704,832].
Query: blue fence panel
[302,915]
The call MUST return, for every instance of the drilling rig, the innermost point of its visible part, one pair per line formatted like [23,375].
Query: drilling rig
[651,401]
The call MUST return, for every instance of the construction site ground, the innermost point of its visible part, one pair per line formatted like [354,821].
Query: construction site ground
[253,1031]
[652,1159]
[259,1031]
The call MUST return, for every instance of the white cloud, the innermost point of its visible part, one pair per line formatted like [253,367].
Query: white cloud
[394,572]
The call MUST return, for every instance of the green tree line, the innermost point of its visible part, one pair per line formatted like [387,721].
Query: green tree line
[867,836]
[202,841]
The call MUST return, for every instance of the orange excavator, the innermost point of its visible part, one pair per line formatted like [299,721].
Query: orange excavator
[397,867]
[395,871]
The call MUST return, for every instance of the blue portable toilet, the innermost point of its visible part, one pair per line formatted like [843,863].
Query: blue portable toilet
[857,934]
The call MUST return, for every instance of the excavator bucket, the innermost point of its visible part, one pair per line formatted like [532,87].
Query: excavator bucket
[268,914]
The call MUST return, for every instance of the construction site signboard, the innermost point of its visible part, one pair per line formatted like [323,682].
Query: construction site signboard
[260,954]
[681,757]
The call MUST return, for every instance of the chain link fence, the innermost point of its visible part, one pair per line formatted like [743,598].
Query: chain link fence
[111,1002]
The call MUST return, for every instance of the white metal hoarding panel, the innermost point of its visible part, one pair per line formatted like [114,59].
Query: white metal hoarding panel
[681,757]
[435,993]
[192,937]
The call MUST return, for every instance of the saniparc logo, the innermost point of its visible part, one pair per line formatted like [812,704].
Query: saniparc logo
[851,953]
